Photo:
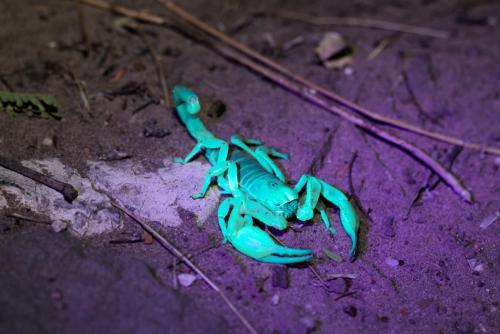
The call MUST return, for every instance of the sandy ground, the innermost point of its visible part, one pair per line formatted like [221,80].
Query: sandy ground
[432,270]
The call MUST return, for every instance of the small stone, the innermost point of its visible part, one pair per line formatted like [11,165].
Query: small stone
[280,277]
[47,141]
[350,310]
[338,285]
[275,299]
[153,130]
[348,71]
[186,279]
[392,262]
[59,225]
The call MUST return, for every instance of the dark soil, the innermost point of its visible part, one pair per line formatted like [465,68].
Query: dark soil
[52,282]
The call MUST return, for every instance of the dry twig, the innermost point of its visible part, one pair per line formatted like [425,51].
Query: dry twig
[64,189]
[362,23]
[171,248]
[155,19]
[83,26]
[317,88]
[309,92]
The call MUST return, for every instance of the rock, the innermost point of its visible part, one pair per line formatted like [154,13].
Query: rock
[153,196]
[163,196]
[275,299]
[47,141]
[186,279]
[391,262]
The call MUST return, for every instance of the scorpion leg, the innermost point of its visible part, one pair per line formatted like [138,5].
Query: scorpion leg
[261,154]
[218,170]
[252,241]
[309,201]
[213,143]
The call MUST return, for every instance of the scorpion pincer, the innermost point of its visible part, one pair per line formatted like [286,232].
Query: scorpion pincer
[258,190]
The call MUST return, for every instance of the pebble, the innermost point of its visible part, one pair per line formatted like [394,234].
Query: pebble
[348,71]
[475,265]
[47,141]
[186,279]
[275,300]
[280,277]
[391,262]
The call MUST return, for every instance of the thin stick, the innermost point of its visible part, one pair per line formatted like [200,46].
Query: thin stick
[306,94]
[171,248]
[310,95]
[64,189]
[313,86]
[363,23]
[134,14]
[29,219]
[155,19]
[159,66]
[83,26]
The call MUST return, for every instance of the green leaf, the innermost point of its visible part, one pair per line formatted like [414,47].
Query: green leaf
[36,105]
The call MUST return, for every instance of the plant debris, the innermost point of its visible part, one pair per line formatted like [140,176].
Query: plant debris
[334,256]
[37,105]
[333,51]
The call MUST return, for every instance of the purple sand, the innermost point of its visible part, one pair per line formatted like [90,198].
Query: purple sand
[434,272]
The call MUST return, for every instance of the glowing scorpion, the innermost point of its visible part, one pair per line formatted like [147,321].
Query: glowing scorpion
[258,190]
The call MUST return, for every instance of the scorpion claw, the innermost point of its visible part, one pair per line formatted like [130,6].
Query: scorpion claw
[179,161]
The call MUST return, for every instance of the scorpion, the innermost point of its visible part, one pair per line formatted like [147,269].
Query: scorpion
[258,190]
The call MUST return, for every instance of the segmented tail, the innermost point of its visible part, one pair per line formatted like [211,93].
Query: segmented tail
[187,105]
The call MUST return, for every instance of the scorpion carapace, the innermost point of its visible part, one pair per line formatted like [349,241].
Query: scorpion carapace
[257,190]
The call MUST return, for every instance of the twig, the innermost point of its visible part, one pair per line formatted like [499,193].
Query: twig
[171,248]
[319,160]
[65,189]
[309,94]
[159,66]
[431,183]
[29,219]
[317,88]
[134,14]
[404,73]
[363,23]
[309,265]
[193,255]
[83,26]
[155,19]
[82,88]
[414,151]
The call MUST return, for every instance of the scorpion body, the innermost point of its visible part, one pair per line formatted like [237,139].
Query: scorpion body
[258,190]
